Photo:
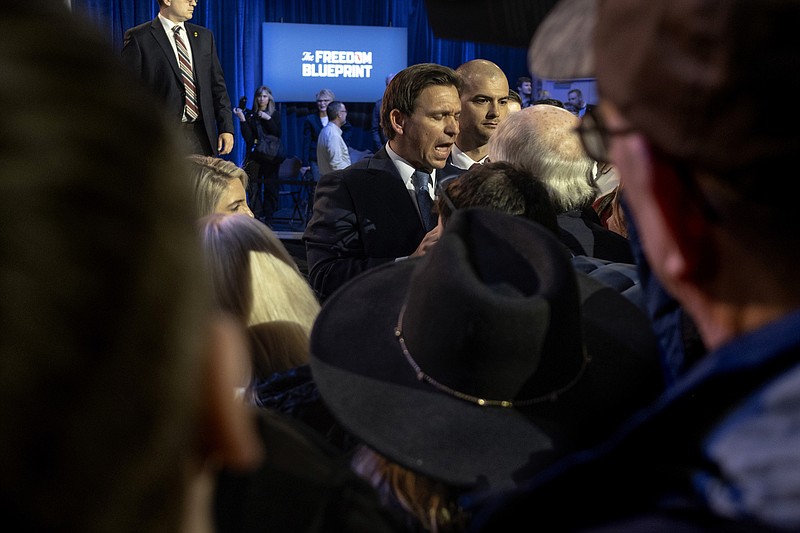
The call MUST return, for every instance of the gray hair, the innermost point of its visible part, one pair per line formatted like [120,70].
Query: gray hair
[542,140]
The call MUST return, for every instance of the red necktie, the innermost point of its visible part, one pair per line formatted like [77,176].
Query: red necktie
[190,107]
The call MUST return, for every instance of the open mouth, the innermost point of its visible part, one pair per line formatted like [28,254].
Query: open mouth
[443,150]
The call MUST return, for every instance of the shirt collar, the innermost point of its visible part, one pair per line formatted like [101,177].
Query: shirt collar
[462,160]
[404,167]
[168,25]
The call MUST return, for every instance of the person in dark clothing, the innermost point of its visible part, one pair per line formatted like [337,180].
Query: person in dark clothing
[312,126]
[263,118]
[542,140]
[379,209]
[719,450]
[178,62]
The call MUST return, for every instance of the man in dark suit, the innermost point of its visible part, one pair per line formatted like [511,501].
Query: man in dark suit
[578,105]
[152,51]
[370,213]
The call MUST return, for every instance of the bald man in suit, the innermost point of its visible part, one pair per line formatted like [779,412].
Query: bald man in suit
[150,50]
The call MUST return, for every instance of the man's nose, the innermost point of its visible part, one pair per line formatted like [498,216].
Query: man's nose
[451,126]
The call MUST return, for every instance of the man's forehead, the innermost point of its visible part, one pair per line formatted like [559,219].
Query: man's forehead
[437,92]
[478,81]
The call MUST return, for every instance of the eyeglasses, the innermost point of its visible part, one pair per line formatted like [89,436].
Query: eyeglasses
[595,136]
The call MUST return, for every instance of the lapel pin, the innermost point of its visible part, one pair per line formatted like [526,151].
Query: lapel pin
[195,34]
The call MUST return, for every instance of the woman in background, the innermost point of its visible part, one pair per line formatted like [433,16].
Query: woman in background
[264,115]
[311,127]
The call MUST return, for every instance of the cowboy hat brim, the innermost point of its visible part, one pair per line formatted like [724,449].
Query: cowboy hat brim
[370,387]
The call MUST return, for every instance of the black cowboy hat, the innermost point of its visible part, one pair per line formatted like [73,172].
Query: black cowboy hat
[485,359]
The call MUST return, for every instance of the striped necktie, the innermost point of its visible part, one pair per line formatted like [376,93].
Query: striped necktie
[190,107]
[421,179]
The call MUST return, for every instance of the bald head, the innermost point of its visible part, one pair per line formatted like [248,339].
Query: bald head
[484,105]
[475,71]
[542,140]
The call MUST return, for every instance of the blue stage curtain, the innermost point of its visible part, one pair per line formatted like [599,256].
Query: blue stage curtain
[237,29]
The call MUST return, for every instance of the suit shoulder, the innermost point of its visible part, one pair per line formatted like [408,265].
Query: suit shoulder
[363,171]
[354,172]
[137,31]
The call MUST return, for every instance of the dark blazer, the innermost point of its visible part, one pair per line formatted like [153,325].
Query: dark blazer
[583,234]
[311,128]
[363,217]
[589,107]
[249,127]
[148,52]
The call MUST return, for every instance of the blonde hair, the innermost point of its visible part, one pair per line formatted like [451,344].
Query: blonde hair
[256,280]
[210,178]
[326,93]
[425,501]
[270,105]
[283,311]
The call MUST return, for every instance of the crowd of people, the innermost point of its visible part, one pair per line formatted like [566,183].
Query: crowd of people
[512,318]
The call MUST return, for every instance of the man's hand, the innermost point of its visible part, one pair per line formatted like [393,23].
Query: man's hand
[430,239]
[225,143]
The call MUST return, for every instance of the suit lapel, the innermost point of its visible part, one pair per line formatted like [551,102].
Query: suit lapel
[157,30]
[400,205]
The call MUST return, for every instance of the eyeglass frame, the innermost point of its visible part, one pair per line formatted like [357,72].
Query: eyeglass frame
[682,170]
[594,126]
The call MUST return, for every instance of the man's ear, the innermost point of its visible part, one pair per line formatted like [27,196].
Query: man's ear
[229,433]
[398,121]
[682,210]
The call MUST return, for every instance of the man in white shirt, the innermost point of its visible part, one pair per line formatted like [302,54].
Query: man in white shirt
[332,152]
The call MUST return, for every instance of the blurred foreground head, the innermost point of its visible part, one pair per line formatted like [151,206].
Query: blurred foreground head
[689,85]
[103,308]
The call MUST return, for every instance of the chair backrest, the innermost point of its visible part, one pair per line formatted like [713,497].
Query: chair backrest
[290,169]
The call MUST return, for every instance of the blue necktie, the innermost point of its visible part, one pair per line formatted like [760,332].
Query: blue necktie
[421,179]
